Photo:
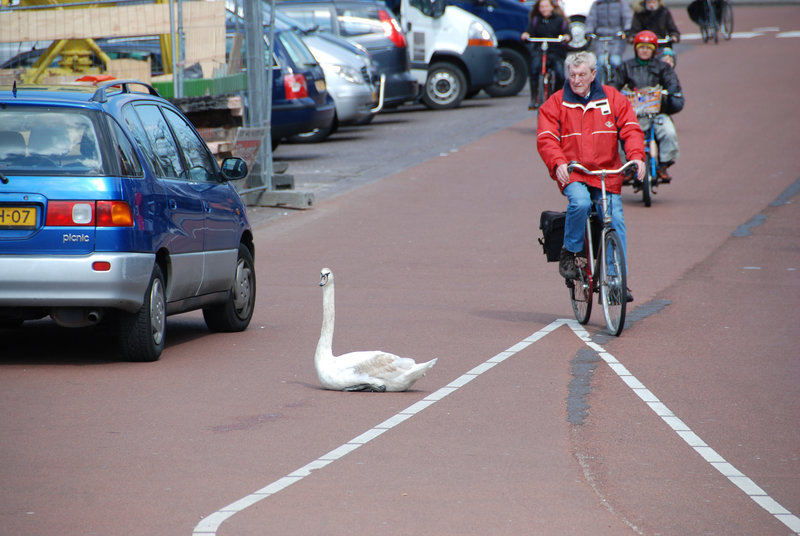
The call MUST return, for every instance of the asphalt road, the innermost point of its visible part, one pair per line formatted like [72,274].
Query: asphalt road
[686,424]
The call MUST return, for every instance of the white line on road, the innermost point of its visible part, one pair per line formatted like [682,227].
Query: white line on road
[210,524]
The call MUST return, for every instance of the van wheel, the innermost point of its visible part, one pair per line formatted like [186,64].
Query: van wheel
[235,313]
[141,334]
[512,73]
[445,87]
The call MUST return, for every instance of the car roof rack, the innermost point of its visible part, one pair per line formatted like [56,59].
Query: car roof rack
[100,94]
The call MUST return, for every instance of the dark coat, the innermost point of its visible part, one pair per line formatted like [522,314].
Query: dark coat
[639,75]
[660,22]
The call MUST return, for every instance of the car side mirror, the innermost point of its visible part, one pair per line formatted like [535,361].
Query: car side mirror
[234,169]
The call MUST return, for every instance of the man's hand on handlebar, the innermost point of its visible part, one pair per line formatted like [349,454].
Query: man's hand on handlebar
[563,172]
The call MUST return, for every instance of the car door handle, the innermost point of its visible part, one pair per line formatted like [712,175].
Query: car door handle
[173,204]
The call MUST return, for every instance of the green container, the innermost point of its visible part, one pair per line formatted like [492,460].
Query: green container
[205,87]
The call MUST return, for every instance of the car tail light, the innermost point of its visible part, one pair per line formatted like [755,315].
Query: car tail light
[114,214]
[392,29]
[89,213]
[295,86]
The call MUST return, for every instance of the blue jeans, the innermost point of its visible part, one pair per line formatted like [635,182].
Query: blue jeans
[580,199]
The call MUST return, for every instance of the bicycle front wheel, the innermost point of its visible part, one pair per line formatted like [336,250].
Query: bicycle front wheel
[647,181]
[613,283]
[727,20]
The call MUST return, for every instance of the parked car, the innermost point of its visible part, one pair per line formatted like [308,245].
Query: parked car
[300,99]
[349,80]
[370,24]
[112,209]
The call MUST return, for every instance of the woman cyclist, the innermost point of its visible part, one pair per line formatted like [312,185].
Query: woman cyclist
[546,20]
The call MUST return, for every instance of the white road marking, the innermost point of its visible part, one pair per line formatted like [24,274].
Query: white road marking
[210,524]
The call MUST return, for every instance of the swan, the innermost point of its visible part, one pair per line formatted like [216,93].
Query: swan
[359,371]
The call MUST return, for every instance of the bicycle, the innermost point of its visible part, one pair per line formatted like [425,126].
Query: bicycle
[606,273]
[717,17]
[547,82]
[647,103]
[604,69]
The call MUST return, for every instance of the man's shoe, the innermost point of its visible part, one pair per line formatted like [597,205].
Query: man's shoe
[628,295]
[662,175]
[566,265]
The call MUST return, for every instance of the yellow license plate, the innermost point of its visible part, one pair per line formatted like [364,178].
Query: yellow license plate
[320,85]
[18,217]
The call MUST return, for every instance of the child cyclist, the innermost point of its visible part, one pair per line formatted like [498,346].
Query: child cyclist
[546,20]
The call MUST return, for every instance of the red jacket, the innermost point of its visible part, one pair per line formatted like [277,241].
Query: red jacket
[588,130]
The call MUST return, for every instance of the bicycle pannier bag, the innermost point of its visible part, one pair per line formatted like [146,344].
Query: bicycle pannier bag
[552,225]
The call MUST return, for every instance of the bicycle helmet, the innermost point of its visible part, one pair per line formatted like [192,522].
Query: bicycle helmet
[645,37]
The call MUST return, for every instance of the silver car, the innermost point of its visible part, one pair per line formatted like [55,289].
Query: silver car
[351,80]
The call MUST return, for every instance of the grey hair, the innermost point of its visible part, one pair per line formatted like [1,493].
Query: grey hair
[578,58]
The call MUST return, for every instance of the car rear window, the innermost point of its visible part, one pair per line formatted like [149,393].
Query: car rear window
[36,140]
[309,16]
[359,20]
[299,53]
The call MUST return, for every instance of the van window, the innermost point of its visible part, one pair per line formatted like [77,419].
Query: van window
[431,8]
[359,20]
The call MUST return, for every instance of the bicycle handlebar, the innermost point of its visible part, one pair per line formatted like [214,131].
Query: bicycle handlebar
[618,35]
[577,165]
[558,39]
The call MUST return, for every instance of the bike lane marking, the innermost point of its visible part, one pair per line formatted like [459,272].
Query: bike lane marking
[211,523]
[736,477]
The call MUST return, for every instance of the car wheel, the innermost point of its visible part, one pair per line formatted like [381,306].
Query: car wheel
[235,313]
[445,87]
[141,334]
[512,74]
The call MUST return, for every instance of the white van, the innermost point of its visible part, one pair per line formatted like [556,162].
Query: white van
[453,53]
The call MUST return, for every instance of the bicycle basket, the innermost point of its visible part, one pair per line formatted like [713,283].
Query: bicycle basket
[646,101]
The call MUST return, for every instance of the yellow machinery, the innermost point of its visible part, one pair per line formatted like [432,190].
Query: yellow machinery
[79,56]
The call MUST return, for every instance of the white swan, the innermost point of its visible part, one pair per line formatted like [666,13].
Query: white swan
[359,371]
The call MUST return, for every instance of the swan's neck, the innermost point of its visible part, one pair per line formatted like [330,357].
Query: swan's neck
[325,344]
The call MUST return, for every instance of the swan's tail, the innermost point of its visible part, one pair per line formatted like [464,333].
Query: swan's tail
[408,378]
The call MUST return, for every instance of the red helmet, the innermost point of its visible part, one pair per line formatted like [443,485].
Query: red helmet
[645,37]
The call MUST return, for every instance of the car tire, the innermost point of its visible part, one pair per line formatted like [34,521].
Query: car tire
[513,73]
[235,313]
[445,87]
[141,334]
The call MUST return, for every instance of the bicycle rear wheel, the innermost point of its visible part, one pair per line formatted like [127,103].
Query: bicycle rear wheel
[613,289]
[727,20]
[580,294]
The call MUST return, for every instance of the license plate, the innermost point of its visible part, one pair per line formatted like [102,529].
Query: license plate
[18,217]
[320,85]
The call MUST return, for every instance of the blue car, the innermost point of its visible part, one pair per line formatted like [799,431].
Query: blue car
[113,209]
[300,100]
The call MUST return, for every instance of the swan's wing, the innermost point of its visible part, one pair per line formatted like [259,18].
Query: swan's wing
[370,363]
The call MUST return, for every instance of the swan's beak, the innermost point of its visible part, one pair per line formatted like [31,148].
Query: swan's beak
[323,280]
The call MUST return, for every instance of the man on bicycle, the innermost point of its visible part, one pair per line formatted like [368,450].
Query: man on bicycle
[584,122]
[646,71]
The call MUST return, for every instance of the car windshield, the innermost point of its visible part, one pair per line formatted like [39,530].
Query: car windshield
[55,141]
